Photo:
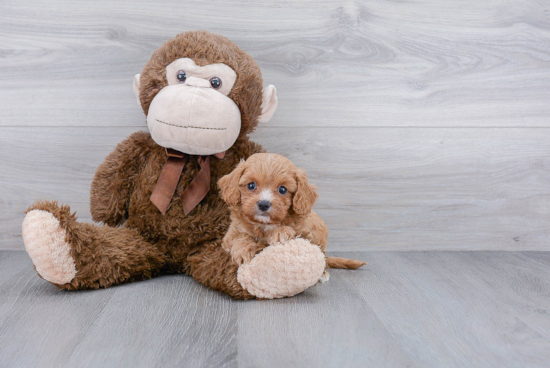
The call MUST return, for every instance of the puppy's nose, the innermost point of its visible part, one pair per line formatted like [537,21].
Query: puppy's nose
[264,205]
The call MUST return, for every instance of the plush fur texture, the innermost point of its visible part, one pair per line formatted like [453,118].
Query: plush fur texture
[45,242]
[289,214]
[308,265]
[149,244]
[207,48]
[137,241]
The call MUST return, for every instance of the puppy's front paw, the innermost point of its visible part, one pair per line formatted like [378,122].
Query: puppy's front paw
[241,255]
[226,244]
[281,235]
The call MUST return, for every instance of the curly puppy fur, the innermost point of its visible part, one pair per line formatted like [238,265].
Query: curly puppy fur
[271,201]
[148,243]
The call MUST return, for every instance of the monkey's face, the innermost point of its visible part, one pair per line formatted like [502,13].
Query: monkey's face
[200,92]
[193,114]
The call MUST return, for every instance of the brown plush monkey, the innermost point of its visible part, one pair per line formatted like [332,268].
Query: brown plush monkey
[156,192]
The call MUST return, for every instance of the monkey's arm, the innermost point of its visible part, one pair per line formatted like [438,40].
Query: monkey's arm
[113,181]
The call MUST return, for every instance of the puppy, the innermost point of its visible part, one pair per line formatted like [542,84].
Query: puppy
[270,201]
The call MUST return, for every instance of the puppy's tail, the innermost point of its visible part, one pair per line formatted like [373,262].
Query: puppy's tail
[345,263]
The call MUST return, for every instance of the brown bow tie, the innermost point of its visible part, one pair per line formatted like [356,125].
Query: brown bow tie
[170,176]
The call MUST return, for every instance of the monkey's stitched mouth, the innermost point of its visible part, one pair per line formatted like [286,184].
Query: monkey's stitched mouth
[189,126]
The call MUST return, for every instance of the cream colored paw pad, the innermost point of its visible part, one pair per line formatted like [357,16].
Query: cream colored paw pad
[283,269]
[45,243]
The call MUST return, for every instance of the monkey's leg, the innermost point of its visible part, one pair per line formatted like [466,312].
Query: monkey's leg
[211,265]
[73,255]
[278,271]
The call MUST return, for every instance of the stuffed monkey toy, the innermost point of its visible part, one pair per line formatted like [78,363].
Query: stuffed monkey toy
[156,193]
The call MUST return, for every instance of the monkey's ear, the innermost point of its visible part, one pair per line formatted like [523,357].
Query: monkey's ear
[269,103]
[229,185]
[305,196]
[136,88]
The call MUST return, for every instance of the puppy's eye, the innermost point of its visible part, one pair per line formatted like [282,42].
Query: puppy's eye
[182,76]
[251,186]
[282,190]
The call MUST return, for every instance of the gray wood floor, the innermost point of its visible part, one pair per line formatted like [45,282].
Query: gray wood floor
[425,123]
[406,309]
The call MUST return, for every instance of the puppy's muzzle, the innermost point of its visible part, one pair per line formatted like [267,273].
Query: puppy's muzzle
[263,205]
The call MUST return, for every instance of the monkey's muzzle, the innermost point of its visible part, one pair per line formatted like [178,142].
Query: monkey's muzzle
[193,120]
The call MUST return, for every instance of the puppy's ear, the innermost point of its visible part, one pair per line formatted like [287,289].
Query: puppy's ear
[305,196]
[229,185]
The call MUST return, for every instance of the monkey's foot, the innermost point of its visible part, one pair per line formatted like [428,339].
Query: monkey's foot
[283,269]
[45,243]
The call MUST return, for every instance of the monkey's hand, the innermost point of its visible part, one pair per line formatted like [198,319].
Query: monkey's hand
[113,181]
[281,234]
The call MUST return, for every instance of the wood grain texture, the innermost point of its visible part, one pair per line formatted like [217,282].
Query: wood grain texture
[424,123]
[165,322]
[380,188]
[414,309]
[443,306]
[343,63]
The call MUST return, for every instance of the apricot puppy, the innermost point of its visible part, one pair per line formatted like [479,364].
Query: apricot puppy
[271,201]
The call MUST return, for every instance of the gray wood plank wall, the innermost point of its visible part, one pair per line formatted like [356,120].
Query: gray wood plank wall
[425,124]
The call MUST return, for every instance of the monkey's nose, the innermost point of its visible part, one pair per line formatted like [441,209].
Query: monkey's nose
[197,82]
[264,205]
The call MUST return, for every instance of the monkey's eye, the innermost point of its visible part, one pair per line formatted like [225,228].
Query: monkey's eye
[181,76]
[251,186]
[216,82]
[282,190]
